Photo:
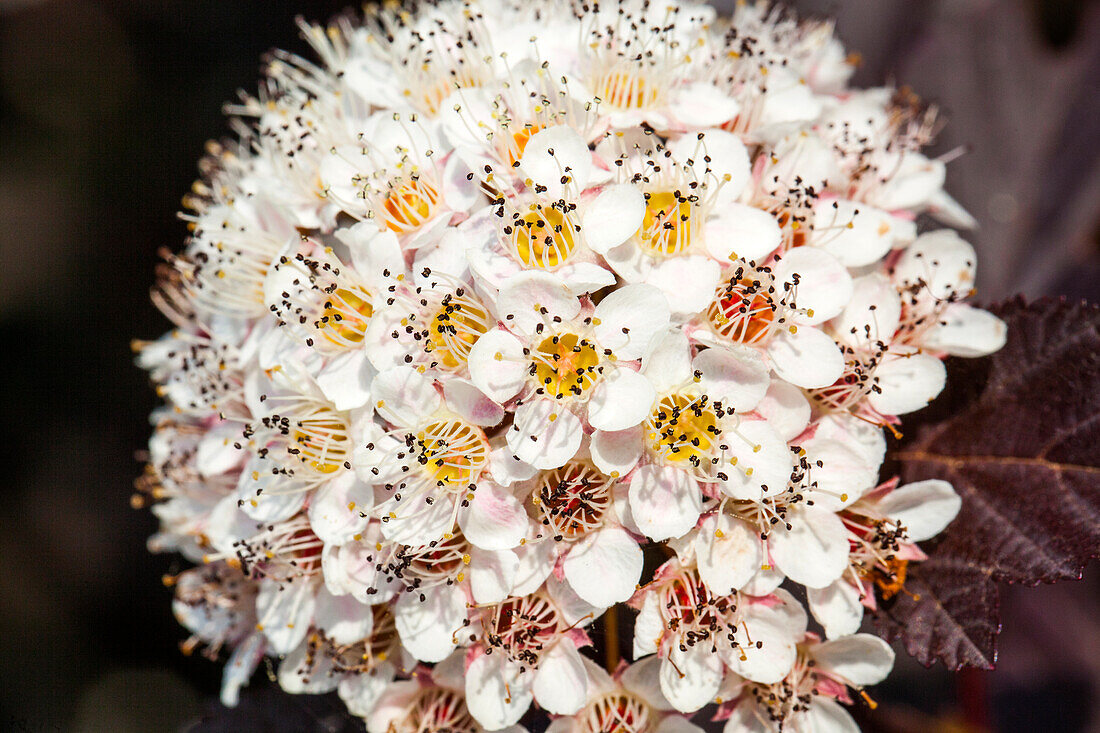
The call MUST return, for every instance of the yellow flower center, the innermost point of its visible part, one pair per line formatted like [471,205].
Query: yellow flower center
[683,429]
[454,328]
[544,237]
[667,223]
[410,205]
[566,365]
[626,89]
[742,310]
[453,453]
[345,316]
[321,441]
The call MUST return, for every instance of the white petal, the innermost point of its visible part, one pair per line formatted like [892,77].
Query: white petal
[721,153]
[342,618]
[739,379]
[494,520]
[304,673]
[622,399]
[536,560]
[740,231]
[668,362]
[824,285]
[346,380]
[690,679]
[807,358]
[613,217]
[506,469]
[497,365]
[836,607]
[828,716]
[728,553]
[966,331]
[533,297]
[769,662]
[925,508]
[648,627]
[360,692]
[427,628]
[676,724]
[574,609]
[556,152]
[872,314]
[415,522]
[561,684]
[544,434]
[700,104]
[643,678]
[941,261]
[471,403]
[585,277]
[284,613]
[337,509]
[664,501]
[764,462]
[791,611]
[839,472]
[862,659]
[403,396]
[615,453]
[766,580]
[855,233]
[908,381]
[604,567]
[688,282]
[492,574]
[496,695]
[814,552]
[786,409]
[267,493]
[239,668]
[629,318]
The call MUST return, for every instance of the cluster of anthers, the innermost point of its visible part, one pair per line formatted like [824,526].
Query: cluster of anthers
[494,300]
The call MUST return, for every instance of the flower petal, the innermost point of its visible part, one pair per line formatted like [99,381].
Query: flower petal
[497,365]
[496,694]
[604,567]
[553,153]
[628,319]
[613,217]
[622,399]
[471,404]
[664,501]
[494,519]
[823,287]
[786,409]
[337,508]
[806,358]
[740,231]
[492,574]
[966,331]
[862,659]
[427,627]
[561,684]
[544,434]
[836,607]
[925,508]
[763,461]
[690,679]
[908,382]
[616,452]
[814,551]
[343,619]
[728,553]
[739,379]
[533,297]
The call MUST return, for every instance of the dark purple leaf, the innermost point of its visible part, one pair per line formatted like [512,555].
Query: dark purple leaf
[1018,435]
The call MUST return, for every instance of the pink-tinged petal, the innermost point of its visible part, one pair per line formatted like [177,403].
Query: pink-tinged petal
[837,608]
[814,552]
[471,403]
[497,694]
[533,297]
[924,508]
[495,519]
[553,153]
[908,381]
[392,706]
[861,659]
[728,552]
[492,574]
[690,679]
[739,379]
[599,681]
[337,509]
[613,217]
[786,409]
[427,628]
[740,231]
[622,399]
[403,396]
[497,365]
[574,610]
[628,319]
[764,462]
[239,668]
[770,655]
[966,331]
[687,282]
[664,501]
[700,104]
[561,685]
[506,469]
[604,567]
[284,613]
[616,452]
[544,434]
[806,358]
[343,619]
[824,286]
[748,717]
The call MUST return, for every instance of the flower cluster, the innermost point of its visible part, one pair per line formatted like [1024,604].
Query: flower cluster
[497,299]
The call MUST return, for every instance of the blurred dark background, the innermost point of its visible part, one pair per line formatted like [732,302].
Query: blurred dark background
[104,108]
